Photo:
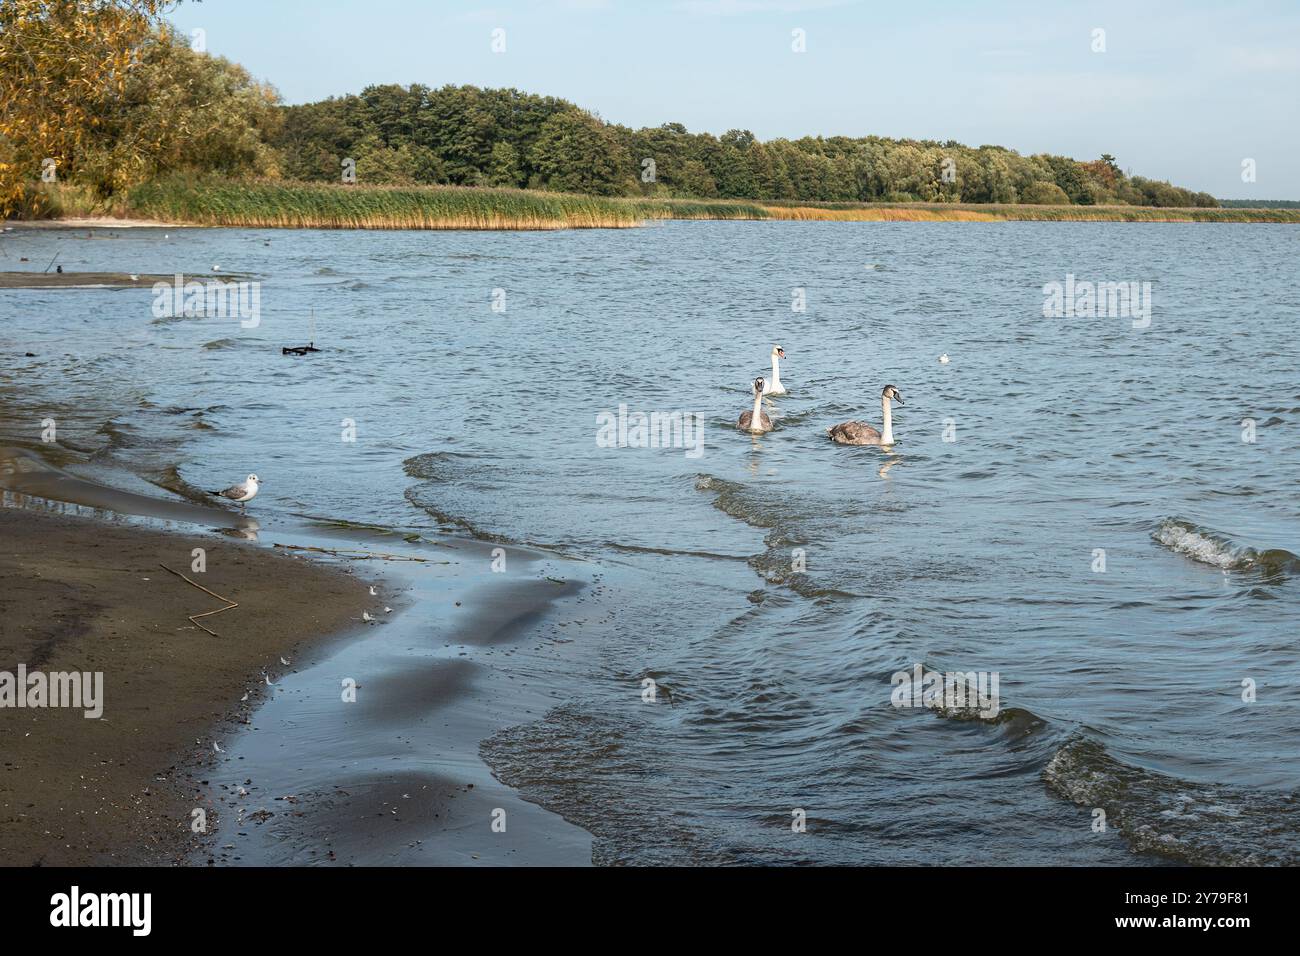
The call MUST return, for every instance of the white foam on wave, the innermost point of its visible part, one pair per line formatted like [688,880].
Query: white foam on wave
[1187,540]
[1207,824]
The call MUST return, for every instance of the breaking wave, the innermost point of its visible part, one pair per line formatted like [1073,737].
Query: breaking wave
[1204,824]
[1198,823]
[1216,550]
[776,564]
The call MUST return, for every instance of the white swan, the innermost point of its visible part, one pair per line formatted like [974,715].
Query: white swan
[755,422]
[773,385]
[860,433]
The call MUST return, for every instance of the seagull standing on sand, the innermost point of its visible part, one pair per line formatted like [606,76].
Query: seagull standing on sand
[243,492]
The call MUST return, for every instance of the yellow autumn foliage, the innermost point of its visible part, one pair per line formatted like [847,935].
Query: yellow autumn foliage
[64,66]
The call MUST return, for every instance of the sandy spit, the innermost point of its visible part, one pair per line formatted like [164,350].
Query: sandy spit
[78,594]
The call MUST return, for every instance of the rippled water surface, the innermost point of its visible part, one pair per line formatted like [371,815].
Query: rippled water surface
[1120,689]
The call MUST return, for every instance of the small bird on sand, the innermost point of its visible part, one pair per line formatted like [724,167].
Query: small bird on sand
[243,492]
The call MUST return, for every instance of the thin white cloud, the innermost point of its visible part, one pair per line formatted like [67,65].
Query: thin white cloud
[731,8]
[536,6]
[481,16]
[1257,60]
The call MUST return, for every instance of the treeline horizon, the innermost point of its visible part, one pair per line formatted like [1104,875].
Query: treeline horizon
[103,96]
[472,136]
[1260,203]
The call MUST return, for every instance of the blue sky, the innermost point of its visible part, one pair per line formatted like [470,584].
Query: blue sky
[1184,91]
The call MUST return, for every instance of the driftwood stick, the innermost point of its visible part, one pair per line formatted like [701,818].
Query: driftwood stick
[208,629]
[201,588]
[354,553]
[193,617]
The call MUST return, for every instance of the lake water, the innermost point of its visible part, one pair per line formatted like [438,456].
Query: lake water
[1070,505]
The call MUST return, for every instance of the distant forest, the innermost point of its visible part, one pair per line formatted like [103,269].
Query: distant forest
[101,96]
[1260,203]
[466,136]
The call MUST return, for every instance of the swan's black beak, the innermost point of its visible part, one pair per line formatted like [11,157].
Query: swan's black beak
[899,398]
[780,353]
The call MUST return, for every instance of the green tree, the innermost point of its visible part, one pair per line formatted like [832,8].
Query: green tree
[575,152]
[1044,194]
[503,167]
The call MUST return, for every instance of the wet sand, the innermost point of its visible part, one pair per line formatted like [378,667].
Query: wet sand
[99,280]
[302,777]
[395,778]
[83,595]
[94,222]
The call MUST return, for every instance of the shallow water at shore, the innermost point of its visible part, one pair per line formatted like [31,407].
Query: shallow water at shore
[971,555]
[363,749]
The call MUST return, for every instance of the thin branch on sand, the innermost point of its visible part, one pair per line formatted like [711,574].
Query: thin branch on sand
[357,554]
[229,603]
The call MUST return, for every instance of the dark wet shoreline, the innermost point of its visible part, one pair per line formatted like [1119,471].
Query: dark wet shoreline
[319,810]
[98,280]
[83,595]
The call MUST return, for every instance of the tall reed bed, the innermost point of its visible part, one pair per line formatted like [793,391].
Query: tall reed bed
[66,201]
[699,209]
[929,212]
[328,206]
[320,206]
[880,214]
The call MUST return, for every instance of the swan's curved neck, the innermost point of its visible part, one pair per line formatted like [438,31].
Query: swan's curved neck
[756,419]
[776,372]
[887,433]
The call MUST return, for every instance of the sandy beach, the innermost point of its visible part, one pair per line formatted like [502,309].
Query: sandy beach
[300,776]
[84,595]
[32,279]
[93,222]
